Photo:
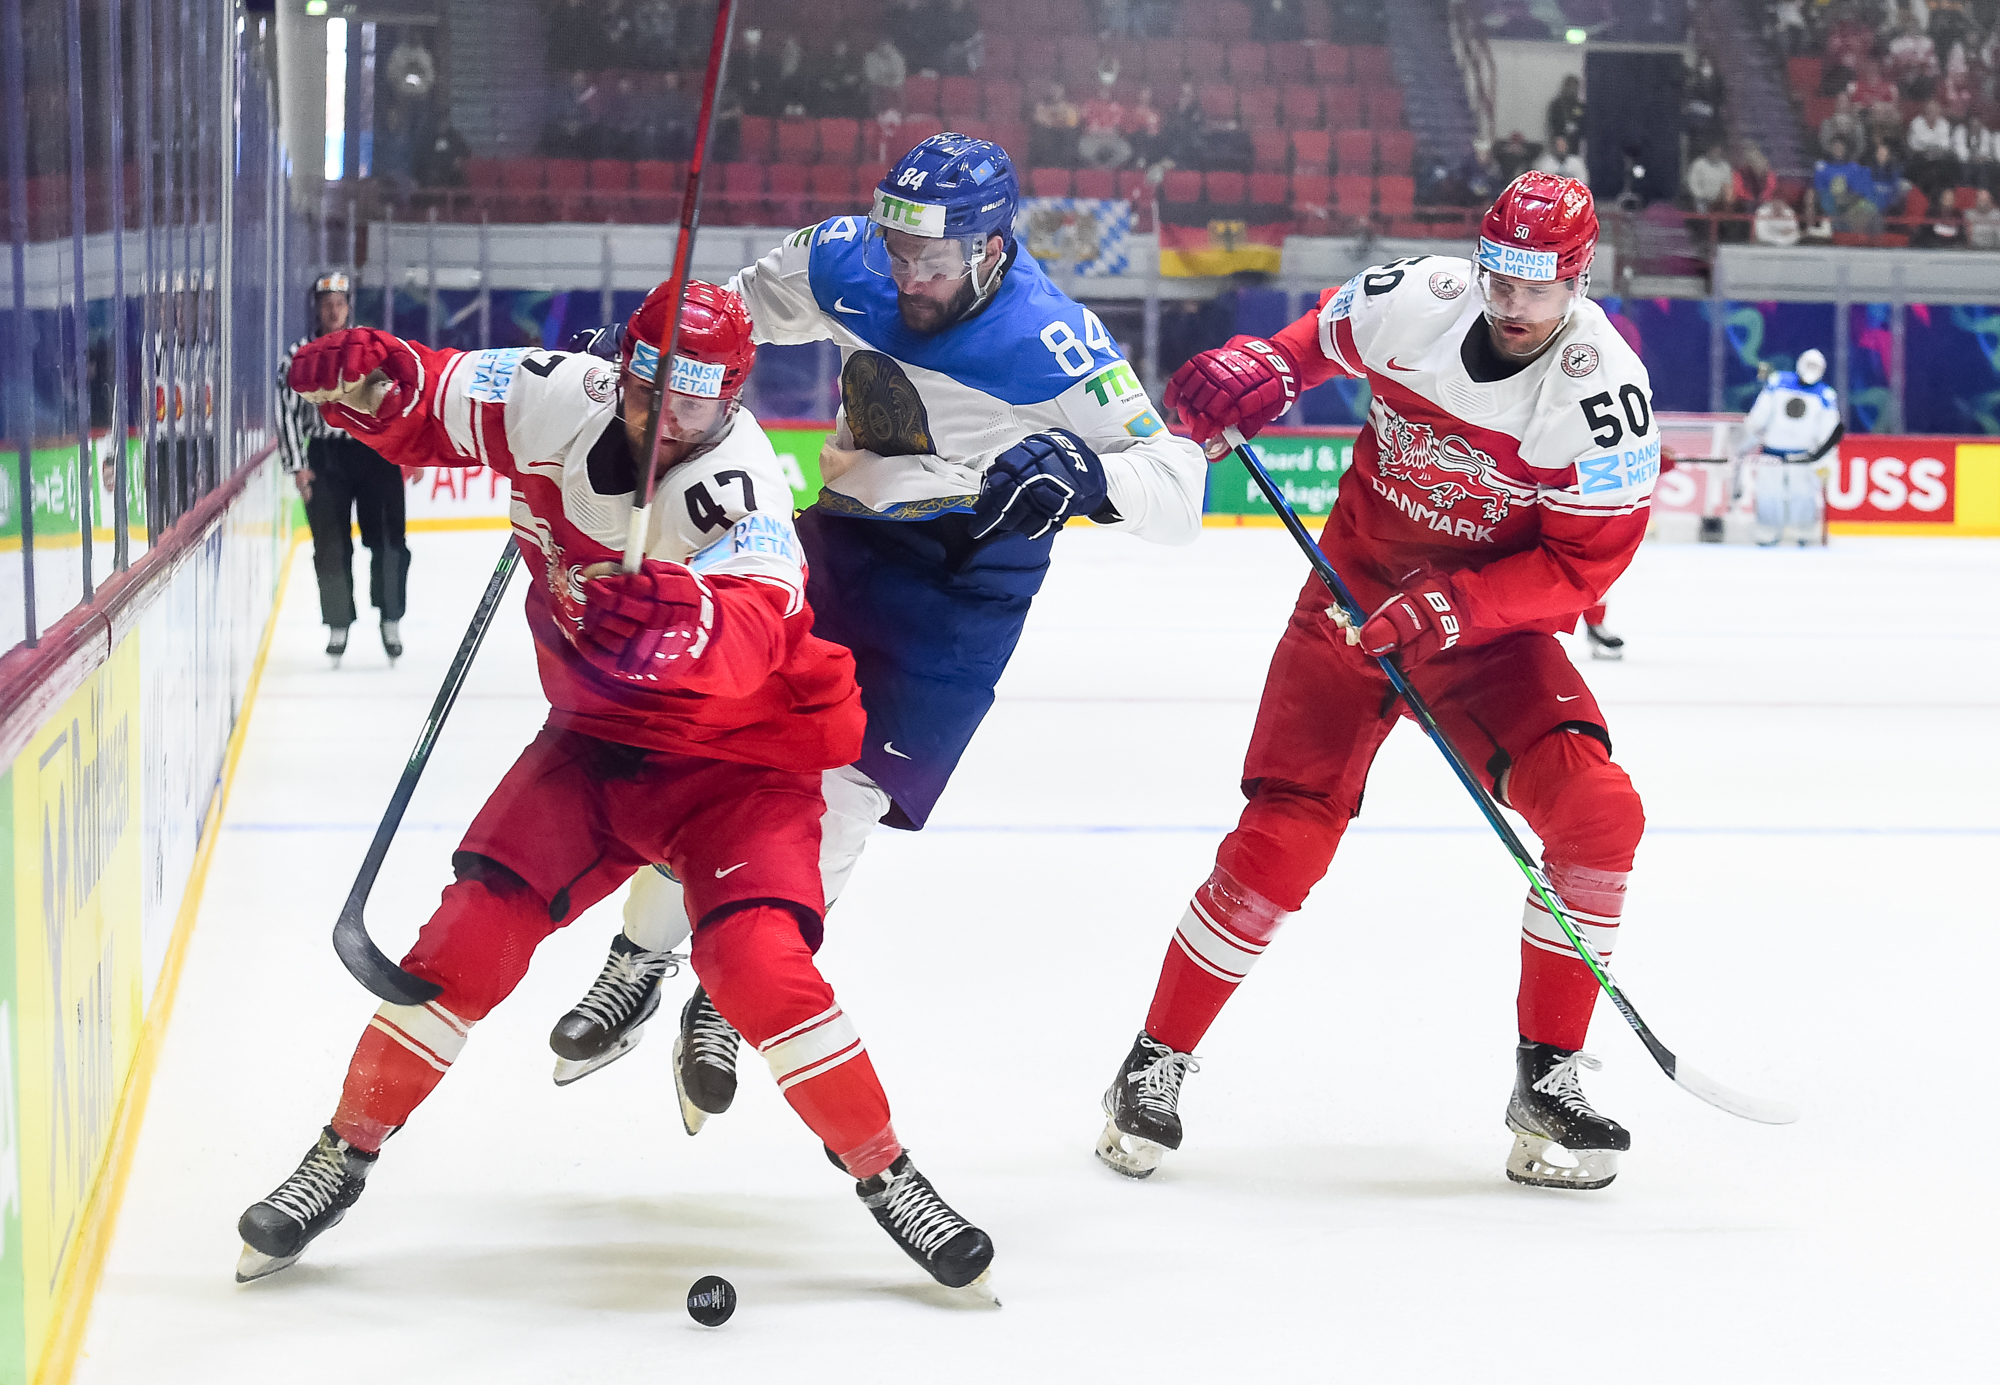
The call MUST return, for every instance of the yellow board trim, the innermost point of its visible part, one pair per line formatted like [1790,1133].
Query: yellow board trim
[79,1286]
[440,526]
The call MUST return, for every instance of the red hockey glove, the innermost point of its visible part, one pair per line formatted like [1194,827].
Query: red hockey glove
[351,373]
[645,626]
[1244,384]
[1423,619]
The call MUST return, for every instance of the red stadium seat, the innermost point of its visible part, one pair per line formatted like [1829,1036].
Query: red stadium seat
[839,136]
[1354,151]
[1329,62]
[798,141]
[522,175]
[1246,62]
[1290,62]
[1004,98]
[755,140]
[1048,182]
[1079,68]
[610,190]
[481,175]
[1343,107]
[788,193]
[1371,66]
[1385,108]
[1225,186]
[1271,189]
[1229,19]
[913,131]
[1394,150]
[1271,150]
[920,96]
[1312,191]
[1218,101]
[567,181]
[1040,60]
[1100,183]
[656,189]
[1133,188]
[1257,107]
[1802,74]
[1395,195]
[1298,106]
[742,177]
[958,96]
[1203,59]
[1012,138]
[1181,185]
[1163,65]
[831,181]
[1353,194]
[1311,151]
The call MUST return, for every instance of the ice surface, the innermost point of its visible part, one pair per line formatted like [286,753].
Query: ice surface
[1813,918]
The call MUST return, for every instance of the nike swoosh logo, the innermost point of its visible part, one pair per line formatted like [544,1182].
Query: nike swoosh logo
[1406,369]
[840,306]
[890,746]
[1571,698]
[738,866]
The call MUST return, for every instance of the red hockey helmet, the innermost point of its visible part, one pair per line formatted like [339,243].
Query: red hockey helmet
[713,353]
[1542,228]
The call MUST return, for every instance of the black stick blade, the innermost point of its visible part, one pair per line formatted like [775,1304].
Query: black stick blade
[368,965]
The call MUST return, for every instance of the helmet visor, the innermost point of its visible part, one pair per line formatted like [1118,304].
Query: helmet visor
[913,261]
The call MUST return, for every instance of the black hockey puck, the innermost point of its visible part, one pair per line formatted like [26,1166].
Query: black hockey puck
[711,1300]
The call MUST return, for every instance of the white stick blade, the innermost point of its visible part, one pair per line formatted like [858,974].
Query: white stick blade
[1723,1098]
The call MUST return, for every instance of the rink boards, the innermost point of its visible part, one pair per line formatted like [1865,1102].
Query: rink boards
[113,759]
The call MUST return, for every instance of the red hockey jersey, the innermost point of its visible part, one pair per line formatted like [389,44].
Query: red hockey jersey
[1533,490]
[763,690]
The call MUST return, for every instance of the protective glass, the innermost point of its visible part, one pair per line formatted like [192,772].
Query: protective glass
[914,262]
[1524,301]
[691,418]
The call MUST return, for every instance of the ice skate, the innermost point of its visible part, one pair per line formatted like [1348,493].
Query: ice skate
[392,640]
[1142,1104]
[951,1249]
[277,1230]
[1604,644]
[611,1018]
[336,643]
[1548,1112]
[704,1062]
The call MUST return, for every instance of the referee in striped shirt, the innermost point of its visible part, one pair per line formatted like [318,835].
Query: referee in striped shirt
[340,476]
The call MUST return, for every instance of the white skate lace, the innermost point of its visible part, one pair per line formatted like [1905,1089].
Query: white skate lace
[712,1040]
[917,1214]
[312,1189]
[1564,1083]
[1159,1082]
[623,983]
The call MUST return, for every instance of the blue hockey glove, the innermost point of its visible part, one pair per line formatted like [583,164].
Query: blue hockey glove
[602,342]
[1040,483]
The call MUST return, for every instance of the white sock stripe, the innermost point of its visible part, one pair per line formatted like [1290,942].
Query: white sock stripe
[1215,949]
[1225,932]
[1563,949]
[397,1036]
[462,1027]
[823,1043]
[432,1027]
[821,1018]
[820,1068]
[1539,926]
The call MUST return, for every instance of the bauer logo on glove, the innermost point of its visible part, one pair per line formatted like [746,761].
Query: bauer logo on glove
[1039,484]
[1421,620]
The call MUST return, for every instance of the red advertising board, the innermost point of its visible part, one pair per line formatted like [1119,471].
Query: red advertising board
[1892,480]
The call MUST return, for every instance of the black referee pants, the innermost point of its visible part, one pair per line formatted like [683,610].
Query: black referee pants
[350,479]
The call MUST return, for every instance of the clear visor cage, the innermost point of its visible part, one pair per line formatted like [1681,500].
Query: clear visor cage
[693,398]
[924,254]
[1537,293]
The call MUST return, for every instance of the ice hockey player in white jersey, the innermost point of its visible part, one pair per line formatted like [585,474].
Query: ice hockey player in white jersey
[1791,433]
[1501,485]
[981,410]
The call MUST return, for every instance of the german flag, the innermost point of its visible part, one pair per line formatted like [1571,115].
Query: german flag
[1207,238]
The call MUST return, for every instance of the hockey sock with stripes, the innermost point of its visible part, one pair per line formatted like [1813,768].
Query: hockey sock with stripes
[1225,930]
[760,974]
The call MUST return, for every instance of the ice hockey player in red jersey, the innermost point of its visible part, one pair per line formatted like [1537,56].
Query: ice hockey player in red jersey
[1500,486]
[692,712]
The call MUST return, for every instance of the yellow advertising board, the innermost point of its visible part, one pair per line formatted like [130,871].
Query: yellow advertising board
[78,1007]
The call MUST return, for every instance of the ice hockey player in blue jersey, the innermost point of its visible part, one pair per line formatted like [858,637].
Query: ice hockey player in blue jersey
[981,409]
[1792,430]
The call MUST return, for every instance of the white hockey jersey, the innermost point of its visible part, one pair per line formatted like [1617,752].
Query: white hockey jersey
[1792,420]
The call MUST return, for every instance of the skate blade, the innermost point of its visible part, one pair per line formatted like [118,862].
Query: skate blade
[1608,655]
[255,1264]
[981,1288]
[692,1116]
[569,1070]
[1529,1162]
[1128,1154]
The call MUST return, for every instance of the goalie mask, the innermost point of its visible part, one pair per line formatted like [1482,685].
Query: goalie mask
[712,356]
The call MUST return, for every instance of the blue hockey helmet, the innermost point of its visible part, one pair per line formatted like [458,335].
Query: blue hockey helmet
[950,186]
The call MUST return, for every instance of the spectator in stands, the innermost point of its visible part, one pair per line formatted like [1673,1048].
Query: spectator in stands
[1564,118]
[675,111]
[1978,151]
[1156,18]
[1103,143]
[1116,19]
[1982,223]
[1142,126]
[1839,184]
[1753,184]
[1933,162]
[1885,173]
[882,139]
[1788,27]
[1184,131]
[1052,136]
[1949,24]
[1702,95]
[1844,125]
[440,163]
[912,26]
[1709,180]
[1515,157]
[1913,63]
[1872,87]
[652,36]
[577,130]
[1278,21]
[885,70]
[1559,160]
[964,42]
[395,149]
[1480,176]
[754,72]
[575,35]
[838,84]
[1960,87]
[797,80]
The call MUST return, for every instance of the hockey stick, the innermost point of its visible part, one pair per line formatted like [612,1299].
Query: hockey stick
[718,59]
[1347,614]
[350,933]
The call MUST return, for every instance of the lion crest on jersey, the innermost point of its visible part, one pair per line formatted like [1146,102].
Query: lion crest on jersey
[1448,470]
[564,578]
